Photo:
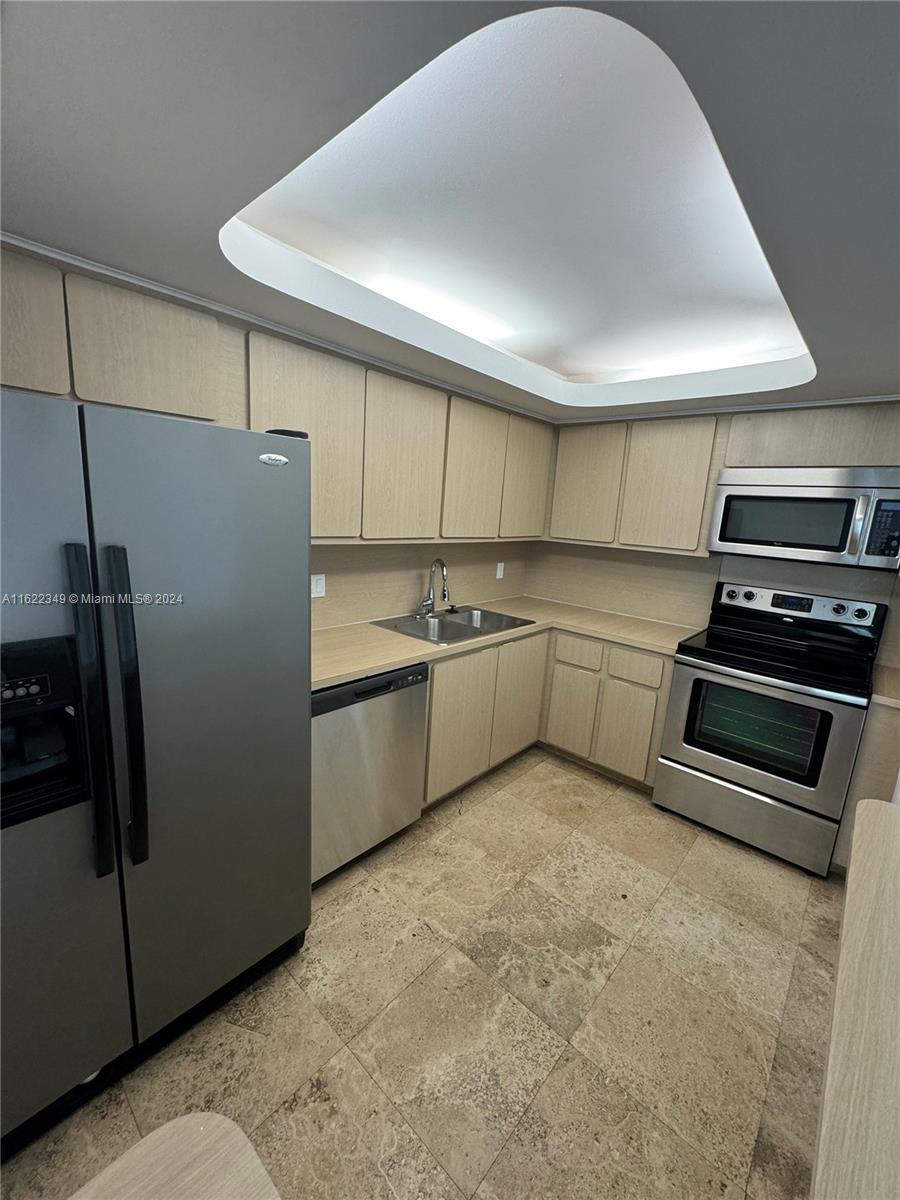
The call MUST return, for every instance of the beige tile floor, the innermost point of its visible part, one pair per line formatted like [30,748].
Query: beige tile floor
[545,988]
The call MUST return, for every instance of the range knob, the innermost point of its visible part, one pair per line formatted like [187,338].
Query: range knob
[860,613]
[732,594]
[839,609]
[749,595]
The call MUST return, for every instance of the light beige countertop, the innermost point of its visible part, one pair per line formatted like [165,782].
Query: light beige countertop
[344,652]
[859,1128]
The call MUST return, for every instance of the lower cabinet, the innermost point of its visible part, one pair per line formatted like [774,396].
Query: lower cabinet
[462,710]
[573,703]
[519,696]
[624,728]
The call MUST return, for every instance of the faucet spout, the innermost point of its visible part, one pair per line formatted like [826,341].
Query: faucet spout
[426,605]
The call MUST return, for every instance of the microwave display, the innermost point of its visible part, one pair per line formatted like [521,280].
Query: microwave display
[807,523]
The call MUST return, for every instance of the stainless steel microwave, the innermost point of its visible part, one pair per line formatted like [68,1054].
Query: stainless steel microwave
[848,516]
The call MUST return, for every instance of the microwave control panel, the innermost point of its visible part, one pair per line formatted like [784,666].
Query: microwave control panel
[884,531]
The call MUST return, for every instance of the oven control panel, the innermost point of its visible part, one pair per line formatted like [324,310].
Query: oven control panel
[798,604]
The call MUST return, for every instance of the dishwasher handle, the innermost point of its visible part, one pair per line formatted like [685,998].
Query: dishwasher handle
[360,690]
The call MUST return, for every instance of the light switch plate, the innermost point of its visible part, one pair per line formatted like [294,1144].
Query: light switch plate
[501,567]
[316,586]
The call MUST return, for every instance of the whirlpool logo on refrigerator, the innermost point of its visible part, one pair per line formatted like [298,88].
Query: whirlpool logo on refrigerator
[273,460]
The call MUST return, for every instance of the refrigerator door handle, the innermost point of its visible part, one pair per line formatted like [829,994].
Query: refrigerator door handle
[87,650]
[132,704]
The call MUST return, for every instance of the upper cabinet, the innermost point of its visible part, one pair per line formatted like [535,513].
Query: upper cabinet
[35,353]
[666,477]
[588,476]
[135,350]
[526,479]
[473,478]
[858,435]
[405,435]
[295,388]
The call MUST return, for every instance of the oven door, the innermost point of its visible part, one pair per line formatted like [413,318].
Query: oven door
[790,744]
[808,524]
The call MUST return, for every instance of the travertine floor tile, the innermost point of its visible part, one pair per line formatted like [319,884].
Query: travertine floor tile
[806,1023]
[584,1138]
[242,1061]
[687,1057]
[610,888]
[360,951]
[510,830]
[562,790]
[385,855]
[337,884]
[514,767]
[821,930]
[73,1152]
[746,966]
[340,1138]
[629,823]
[786,1142]
[465,798]
[546,953]
[461,1059]
[448,881]
[768,891]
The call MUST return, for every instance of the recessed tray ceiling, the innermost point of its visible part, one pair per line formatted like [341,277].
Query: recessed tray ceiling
[544,203]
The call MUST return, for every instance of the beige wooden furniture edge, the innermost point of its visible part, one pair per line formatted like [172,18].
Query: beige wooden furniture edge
[203,1156]
[859,1128]
[344,652]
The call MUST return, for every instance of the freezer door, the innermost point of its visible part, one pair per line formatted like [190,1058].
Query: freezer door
[65,1008]
[208,674]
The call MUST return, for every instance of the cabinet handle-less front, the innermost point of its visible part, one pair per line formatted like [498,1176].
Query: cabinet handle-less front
[132,704]
[87,651]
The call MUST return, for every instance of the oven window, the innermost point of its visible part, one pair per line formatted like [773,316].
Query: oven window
[781,737]
[803,523]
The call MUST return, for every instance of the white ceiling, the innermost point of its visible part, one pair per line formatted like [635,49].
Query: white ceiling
[133,132]
[545,203]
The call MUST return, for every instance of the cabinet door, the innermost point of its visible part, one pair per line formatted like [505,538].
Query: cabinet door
[406,427]
[295,388]
[520,691]
[473,478]
[860,435]
[529,457]
[624,728]
[573,703]
[588,475]
[35,353]
[665,482]
[462,707]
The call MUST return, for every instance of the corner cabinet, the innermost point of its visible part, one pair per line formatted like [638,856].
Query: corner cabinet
[473,473]
[589,462]
[526,478]
[519,694]
[461,718]
[292,387]
[405,435]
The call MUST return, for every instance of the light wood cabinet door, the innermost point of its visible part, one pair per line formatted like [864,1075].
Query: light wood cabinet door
[473,475]
[292,387]
[588,477]
[858,435]
[625,728]
[526,480]
[35,349]
[519,695]
[406,427]
[135,350]
[462,709]
[573,703]
[665,482]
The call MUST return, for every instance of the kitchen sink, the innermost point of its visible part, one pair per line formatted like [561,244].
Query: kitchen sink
[457,625]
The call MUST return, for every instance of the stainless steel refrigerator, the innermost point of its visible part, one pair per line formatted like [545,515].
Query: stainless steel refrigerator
[156,738]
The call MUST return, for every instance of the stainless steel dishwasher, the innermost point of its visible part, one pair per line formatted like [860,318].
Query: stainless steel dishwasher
[368,763]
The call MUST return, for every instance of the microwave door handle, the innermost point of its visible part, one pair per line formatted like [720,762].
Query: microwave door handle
[859,520]
[87,653]
[132,704]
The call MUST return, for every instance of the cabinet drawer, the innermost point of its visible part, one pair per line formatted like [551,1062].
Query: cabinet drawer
[639,668]
[579,651]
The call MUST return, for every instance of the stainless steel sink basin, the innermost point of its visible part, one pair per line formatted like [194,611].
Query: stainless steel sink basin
[459,625]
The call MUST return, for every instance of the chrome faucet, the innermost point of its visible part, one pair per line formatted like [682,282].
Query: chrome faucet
[426,606]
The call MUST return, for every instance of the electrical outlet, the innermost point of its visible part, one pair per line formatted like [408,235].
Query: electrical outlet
[316,586]
[500,569]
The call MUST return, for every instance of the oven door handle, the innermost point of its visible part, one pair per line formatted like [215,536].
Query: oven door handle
[859,521]
[786,685]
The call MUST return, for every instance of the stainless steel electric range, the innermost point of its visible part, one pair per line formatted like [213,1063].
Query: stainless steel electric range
[765,717]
